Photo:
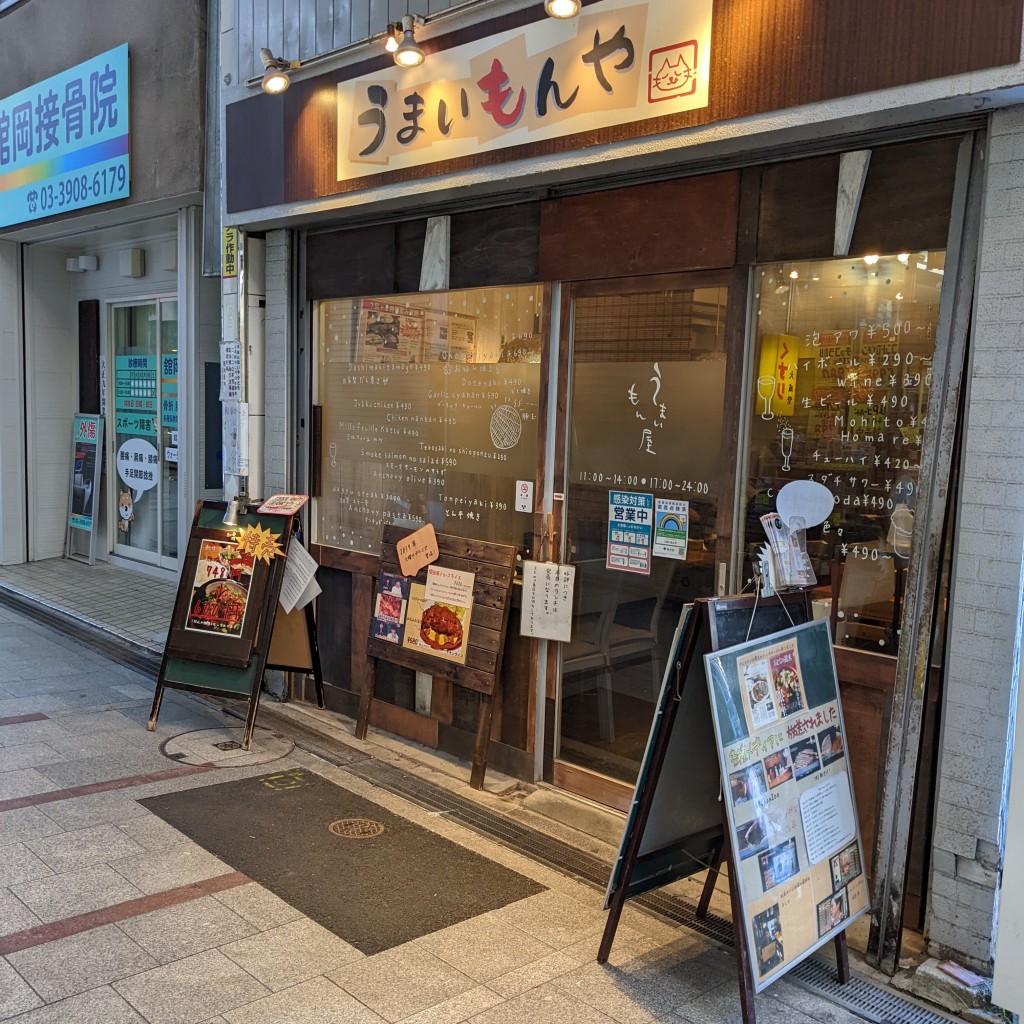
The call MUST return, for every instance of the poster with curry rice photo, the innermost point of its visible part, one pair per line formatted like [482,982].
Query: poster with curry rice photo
[438,617]
[220,589]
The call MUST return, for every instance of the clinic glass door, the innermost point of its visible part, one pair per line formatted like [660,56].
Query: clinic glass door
[144,441]
[645,450]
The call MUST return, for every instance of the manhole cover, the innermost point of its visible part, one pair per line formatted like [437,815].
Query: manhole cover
[228,745]
[356,828]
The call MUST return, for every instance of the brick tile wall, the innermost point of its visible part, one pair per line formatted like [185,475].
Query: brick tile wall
[986,589]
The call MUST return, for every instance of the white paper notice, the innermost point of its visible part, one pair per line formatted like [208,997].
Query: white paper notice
[230,371]
[827,812]
[547,600]
[299,569]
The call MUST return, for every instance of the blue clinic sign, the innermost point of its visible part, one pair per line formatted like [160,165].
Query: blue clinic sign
[64,141]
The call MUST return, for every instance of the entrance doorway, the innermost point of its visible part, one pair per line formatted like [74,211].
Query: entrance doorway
[644,438]
[144,441]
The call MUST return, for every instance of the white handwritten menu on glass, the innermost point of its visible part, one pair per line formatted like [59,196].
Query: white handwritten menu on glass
[839,396]
[429,413]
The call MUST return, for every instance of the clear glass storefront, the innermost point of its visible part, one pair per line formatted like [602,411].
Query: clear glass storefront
[431,407]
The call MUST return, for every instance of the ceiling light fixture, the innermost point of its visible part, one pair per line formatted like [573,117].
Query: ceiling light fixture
[408,53]
[275,79]
[562,9]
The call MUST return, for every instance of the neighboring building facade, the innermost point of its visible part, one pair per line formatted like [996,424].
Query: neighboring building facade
[103,306]
[684,251]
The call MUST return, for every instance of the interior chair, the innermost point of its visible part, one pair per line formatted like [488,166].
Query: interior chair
[626,643]
[866,609]
[587,652]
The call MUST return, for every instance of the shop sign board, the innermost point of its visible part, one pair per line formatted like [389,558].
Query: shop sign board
[790,806]
[222,635]
[614,64]
[64,142]
[169,392]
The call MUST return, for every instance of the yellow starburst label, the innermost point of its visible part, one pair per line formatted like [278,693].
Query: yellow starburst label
[260,543]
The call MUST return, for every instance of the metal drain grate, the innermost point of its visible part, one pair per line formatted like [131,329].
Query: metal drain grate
[356,828]
[861,997]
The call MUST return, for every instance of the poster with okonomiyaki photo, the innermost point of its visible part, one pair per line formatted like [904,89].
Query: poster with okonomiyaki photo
[439,612]
[789,794]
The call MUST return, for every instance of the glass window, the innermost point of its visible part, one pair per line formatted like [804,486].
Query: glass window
[840,390]
[429,413]
[145,434]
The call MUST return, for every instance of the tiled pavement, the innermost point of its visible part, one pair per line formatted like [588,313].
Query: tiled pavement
[109,915]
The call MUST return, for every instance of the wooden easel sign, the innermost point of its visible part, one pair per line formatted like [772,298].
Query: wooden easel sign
[225,612]
[792,820]
[448,619]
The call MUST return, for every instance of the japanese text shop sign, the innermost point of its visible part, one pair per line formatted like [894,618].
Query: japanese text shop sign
[615,64]
[64,141]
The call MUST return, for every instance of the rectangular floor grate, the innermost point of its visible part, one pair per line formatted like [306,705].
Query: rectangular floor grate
[860,996]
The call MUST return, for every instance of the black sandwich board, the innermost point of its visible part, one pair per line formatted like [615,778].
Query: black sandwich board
[676,829]
[225,614]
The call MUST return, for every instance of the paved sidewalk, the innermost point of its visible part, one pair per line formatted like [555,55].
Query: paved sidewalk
[109,915]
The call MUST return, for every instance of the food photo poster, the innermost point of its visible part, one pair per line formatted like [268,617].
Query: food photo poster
[439,613]
[789,794]
[220,589]
[389,608]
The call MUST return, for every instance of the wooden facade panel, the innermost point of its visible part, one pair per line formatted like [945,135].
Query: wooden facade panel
[89,356]
[776,54]
[499,246]
[689,224]
[797,217]
[337,266]
[922,175]
[766,55]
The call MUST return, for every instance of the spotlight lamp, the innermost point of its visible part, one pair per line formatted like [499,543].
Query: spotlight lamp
[275,79]
[394,35]
[562,8]
[408,53]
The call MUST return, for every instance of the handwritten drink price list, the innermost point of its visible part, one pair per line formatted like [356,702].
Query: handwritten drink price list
[860,396]
[428,437]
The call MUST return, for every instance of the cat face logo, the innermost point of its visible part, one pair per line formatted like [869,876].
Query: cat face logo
[125,510]
[672,72]
[671,76]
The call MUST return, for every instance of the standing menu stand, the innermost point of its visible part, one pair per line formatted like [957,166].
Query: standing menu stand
[224,627]
[493,567]
[681,827]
